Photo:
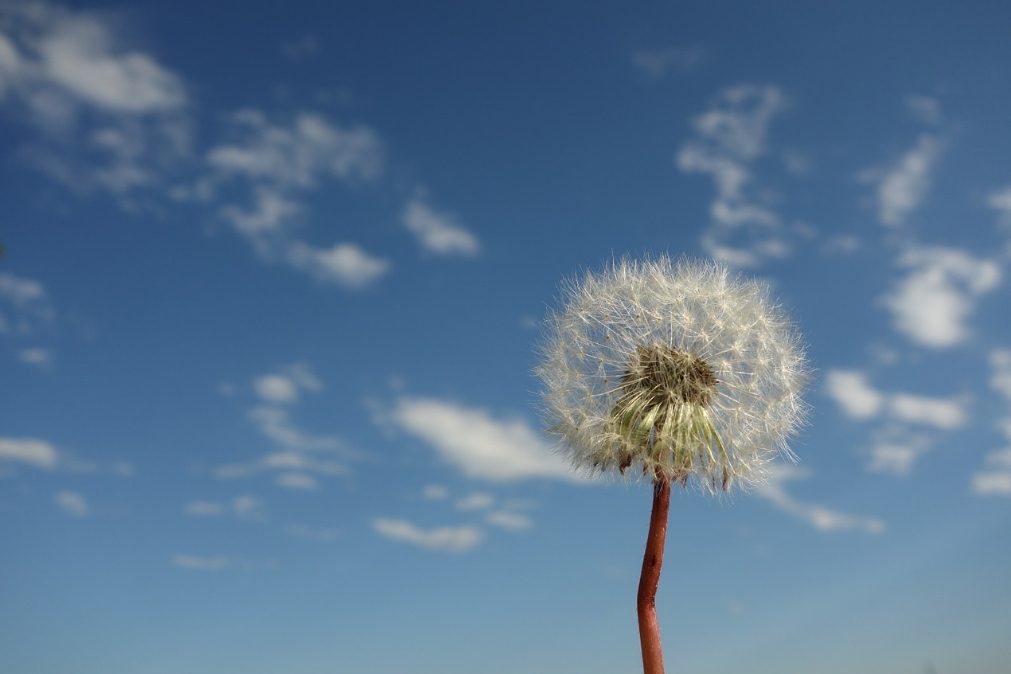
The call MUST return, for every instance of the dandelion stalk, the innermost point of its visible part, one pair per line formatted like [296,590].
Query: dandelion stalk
[649,580]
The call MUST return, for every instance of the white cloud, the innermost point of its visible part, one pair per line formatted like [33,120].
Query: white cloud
[446,539]
[246,506]
[31,451]
[344,264]
[854,393]
[858,399]
[820,517]
[992,483]
[72,503]
[1000,201]
[995,477]
[276,388]
[25,303]
[299,481]
[903,186]
[932,303]
[946,414]
[508,520]
[197,563]
[36,356]
[479,445]
[895,449]
[243,506]
[55,59]
[744,231]
[657,63]
[439,233]
[1000,380]
[475,501]
[276,424]
[20,291]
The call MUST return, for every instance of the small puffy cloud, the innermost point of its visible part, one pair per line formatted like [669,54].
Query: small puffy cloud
[343,264]
[818,516]
[903,186]
[1000,380]
[657,63]
[25,305]
[508,520]
[475,501]
[276,423]
[36,357]
[439,233]
[72,503]
[932,303]
[479,445]
[895,449]
[20,291]
[946,414]
[854,393]
[31,451]
[445,539]
[995,478]
[276,388]
[201,563]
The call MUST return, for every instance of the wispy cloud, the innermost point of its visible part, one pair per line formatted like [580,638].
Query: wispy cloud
[728,138]
[24,305]
[511,521]
[902,186]
[932,303]
[445,539]
[30,451]
[36,357]
[72,503]
[438,232]
[818,516]
[477,444]
[243,506]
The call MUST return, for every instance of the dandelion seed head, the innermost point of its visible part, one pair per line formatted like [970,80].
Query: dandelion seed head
[672,369]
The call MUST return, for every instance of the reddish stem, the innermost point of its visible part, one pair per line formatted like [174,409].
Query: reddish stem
[652,561]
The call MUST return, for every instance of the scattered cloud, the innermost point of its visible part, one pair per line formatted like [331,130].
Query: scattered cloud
[820,517]
[901,187]
[509,520]
[36,357]
[31,451]
[72,503]
[932,303]
[24,305]
[858,399]
[298,481]
[110,116]
[445,539]
[284,386]
[243,507]
[476,501]
[439,233]
[994,479]
[728,138]
[1000,201]
[344,264]
[479,445]
[658,63]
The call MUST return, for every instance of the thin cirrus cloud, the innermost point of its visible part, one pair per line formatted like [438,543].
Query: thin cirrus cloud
[728,139]
[479,445]
[932,303]
[457,539]
[818,516]
[24,305]
[72,503]
[28,451]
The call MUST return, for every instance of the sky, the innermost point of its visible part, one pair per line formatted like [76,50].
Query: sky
[274,279]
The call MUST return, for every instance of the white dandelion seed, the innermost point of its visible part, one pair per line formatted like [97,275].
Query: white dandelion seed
[680,370]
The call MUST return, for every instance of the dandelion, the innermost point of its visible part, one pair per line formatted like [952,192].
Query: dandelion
[680,372]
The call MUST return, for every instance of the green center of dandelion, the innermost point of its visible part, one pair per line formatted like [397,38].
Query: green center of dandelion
[662,416]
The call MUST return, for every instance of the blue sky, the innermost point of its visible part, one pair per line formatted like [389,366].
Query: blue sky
[271,296]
